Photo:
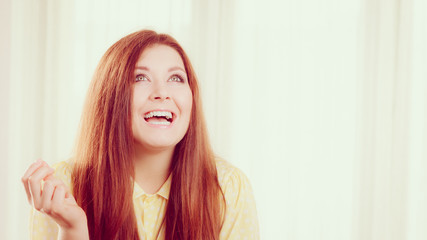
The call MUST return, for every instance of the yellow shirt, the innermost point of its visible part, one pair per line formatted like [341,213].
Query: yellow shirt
[241,221]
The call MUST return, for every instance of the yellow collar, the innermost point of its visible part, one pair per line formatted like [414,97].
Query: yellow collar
[163,191]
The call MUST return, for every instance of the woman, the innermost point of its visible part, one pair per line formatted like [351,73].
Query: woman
[143,167]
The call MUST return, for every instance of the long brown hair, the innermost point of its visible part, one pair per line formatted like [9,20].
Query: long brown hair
[103,172]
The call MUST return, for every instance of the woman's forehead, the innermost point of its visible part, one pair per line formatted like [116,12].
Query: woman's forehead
[159,56]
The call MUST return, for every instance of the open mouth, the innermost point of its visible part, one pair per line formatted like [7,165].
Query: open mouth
[159,117]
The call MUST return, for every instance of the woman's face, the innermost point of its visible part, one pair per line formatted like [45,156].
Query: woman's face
[162,99]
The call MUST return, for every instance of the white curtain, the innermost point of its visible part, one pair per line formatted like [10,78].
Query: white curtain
[321,103]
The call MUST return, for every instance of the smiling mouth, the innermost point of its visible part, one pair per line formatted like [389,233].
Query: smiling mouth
[159,117]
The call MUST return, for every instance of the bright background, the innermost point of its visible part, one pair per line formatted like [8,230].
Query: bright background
[322,103]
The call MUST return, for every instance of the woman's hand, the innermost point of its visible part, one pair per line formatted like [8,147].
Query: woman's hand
[49,195]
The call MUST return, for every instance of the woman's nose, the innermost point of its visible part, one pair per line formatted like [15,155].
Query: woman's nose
[159,92]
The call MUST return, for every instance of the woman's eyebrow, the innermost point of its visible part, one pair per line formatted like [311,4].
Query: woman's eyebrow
[142,68]
[176,68]
[170,69]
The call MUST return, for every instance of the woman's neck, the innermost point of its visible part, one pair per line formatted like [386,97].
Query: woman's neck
[152,168]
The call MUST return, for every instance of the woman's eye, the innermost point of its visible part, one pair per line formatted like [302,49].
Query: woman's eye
[141,78]
[176,78]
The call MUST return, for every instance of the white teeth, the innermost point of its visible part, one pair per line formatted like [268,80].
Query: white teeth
[160,123]
[167,115]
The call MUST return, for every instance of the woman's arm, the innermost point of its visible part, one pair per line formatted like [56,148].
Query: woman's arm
[49,195]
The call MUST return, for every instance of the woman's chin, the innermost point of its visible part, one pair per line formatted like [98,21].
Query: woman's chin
[156,145]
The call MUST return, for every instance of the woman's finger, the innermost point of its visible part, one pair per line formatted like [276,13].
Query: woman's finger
[70,198]
[33,167]
[34,182]
[55,181]
[58,200]
[47,194]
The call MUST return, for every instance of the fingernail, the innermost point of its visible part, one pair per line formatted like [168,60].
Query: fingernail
[38,160]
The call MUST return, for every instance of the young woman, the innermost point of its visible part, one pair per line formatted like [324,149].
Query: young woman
[143,167]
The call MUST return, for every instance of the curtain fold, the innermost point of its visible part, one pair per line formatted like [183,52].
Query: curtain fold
[384,143]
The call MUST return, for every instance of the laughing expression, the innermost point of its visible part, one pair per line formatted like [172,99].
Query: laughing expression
[162,99]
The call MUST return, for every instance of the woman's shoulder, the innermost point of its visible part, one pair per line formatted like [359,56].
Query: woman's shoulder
[63,171]
[229,175]
[241,219]
[224,169]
